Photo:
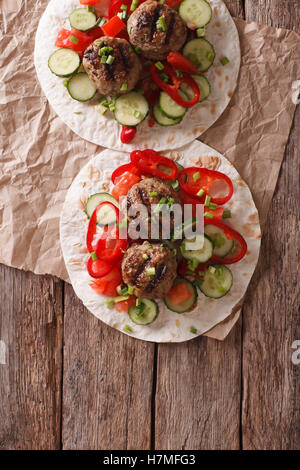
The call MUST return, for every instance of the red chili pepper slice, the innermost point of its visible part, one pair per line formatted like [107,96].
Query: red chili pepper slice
[98,268]
[88,2]
[92,228]
[211,182]
[180,62]
[172,89]
[127,134]
[123,169]
[239,241]
[151,163]
[109,246]
[113,27]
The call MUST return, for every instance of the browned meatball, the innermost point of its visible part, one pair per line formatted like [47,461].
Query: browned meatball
[143,32]
[150,192]
[135,266]
[125,68]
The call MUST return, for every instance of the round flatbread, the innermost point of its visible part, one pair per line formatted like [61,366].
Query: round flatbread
[169,326]
[85,121]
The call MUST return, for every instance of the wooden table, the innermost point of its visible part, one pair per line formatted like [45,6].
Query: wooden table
[72,382]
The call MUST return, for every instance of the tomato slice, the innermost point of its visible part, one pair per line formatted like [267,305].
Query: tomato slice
[113,27]
[79,44]
[94,33]
[212,183]
[125,304]
[173,3]
[109,247]
[92,228]
[122,169]
[88,2]
[151,163]
[115,7]
[98,268]
[179,293]
[124,183]
[102,8]
[239,243]
[108,284]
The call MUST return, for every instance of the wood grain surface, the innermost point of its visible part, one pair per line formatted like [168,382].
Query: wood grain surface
[71,382]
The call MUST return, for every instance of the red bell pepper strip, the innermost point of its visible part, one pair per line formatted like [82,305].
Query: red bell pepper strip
[151,163]
[98,268]
[127,134]
[201,182]
[124,183]
[108,284]
[124,168]
[172,89]
[180,62]
[239,242]
[92,228]
[109,247]
[113,26]
[88,2]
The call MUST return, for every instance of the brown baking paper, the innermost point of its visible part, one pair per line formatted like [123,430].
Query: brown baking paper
[40,156]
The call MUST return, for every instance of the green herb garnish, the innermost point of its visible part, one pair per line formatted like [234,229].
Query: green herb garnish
[150,271]
[224,61]
[94,256]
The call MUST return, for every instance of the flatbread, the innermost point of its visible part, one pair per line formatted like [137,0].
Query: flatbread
[169,326]
[84,120]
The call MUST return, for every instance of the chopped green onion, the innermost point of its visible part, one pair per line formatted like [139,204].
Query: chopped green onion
[123,7]
[224,61]
[207,200]
[153,193]
[222,290]
[210,56]
[162,200]
[196,176]
[212,269]
[94,256]
[212,206]
[138,302]
[101,109]
[201,193]
[122,15]
[124,87]
[193,330]
[110,303]
[121,298]
[130,290]
[138,50]
[122,290]
[66,82]
[149,247]
[102,22]
[103,59]
[104,50]
[104,102]
[175,185]
[174,251]
[161,24]
[145,256]
[150,271]
[201,273]
[137,114]
[134,5]
[226,214]
[208,215]
[161,2]
[164,77]
[163,244]
[99,44]
[74,39]
[91,8]
[179,73]
[200,32]
[139,310]
[159,65]
[110,59]
[127,329]
[219,270]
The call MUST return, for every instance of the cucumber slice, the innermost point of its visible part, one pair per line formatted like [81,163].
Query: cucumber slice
[82,19]
[64,62]
[196,13]
[149,312]
[81,88]
[217,281]
[201,254]
[107,215]
[169,107]
[204,87]
[162,119]
[187,304]
[131,109]
[201,52]
[221,245]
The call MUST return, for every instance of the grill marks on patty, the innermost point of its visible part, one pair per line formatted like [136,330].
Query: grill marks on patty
[141,272]
[170,28]
[124,56]
[157,13]
[159,275]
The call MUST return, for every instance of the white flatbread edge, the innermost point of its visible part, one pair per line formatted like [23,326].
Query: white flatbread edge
[169,326]
[84,120]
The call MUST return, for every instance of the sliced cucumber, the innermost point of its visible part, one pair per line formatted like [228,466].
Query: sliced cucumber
[203,84]
[148,315]
[221,244]
[195,12]
[187,304]
[201,254]
[201,52]
[64,62]
[83,19]
[81,88]
[131,109]
[169,107]
[162,119]
[217,281]
[106,215]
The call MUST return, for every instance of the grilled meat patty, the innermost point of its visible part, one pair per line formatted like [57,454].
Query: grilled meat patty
[134,270]
[151,192]
[125,68]
[154,42]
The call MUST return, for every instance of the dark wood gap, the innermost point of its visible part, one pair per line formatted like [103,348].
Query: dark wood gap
[62,368]
[153,398]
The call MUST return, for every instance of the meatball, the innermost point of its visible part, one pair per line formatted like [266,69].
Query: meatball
[135,270]
[158,198]
[125,68]
[154,42]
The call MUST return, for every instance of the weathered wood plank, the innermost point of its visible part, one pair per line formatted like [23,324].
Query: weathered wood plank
[30,380]
[107,384]
[235,7]
[198,386]
[271,405]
